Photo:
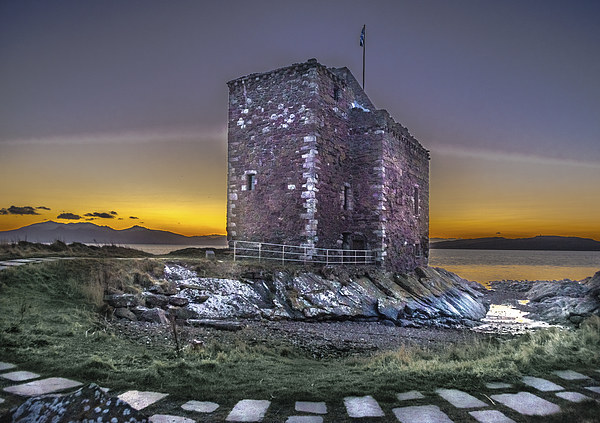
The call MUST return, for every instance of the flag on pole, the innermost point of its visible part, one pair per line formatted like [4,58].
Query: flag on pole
[362,37]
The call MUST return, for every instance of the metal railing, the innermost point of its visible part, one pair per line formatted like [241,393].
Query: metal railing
[299,254]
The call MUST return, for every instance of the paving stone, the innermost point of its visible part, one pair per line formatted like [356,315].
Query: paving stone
[304,419]
[249,411]
[541,384]
[19,376]
[460,399]
[200,406]
[421,414]
[6,366]
[141,399]
[570,375]
[527,403]
[167,418]
[490,416]
[43,386]
[359,407]
[410,395]
[311,407]
[595,389]
[498,385]
[1,400]
[572,396]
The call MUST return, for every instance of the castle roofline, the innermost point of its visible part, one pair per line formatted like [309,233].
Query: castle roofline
[296,67]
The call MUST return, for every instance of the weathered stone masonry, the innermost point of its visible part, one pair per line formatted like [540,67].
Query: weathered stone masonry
[312,162]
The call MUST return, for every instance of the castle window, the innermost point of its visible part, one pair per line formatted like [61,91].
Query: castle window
[416,200]
[418,251]
[346,204]
[336,92]
[250,181]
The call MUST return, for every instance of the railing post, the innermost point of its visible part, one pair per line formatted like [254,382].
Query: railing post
[283,254]
[327,256]
[304,255]
[259,250]
[355,262]
[234,248]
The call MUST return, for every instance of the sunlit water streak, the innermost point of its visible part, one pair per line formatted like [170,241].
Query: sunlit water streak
[490,265]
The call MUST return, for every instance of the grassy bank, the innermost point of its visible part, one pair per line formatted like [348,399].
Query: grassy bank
[24,249]
[52,322]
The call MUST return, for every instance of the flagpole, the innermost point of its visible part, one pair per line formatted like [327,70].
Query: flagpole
[364,49]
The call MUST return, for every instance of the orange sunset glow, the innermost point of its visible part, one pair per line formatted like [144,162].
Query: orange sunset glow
[132,120]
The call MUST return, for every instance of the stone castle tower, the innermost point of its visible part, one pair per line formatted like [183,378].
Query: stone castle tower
[313,163]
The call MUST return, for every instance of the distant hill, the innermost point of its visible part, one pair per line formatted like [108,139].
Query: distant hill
[85,232]
[536,243]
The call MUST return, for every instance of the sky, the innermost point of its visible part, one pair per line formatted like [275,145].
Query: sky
[116,112]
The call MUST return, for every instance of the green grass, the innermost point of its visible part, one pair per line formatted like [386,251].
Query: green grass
[52,322]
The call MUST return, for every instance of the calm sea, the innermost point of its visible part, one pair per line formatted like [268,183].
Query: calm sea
[481,265]
[491,265]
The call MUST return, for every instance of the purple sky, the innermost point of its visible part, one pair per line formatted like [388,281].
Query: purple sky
[509,81]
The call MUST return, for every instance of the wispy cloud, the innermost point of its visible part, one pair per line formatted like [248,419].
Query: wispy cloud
[512,157]
[124,137]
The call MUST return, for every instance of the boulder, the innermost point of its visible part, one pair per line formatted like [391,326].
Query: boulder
[155,315]
[122,300]
[156,300]
[89,403]
[178,301]
[125,313]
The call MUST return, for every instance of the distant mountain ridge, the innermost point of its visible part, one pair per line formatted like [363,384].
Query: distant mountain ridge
[88,233]
[559,243]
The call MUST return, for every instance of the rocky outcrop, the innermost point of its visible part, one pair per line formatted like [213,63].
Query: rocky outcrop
[428,296]
[565,302]
[89,403]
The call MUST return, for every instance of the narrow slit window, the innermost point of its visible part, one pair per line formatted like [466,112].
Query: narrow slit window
[336,92]
[346,197]
[250,181]
[416,200]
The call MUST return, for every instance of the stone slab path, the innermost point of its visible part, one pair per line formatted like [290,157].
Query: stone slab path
[44,386]
[570,375]
[490,416]
[141,399]
[304,419]
[460,399]
[167,418]
[311,407]
[410,395]
[19,376]
[360,407]
[541,384]
[572,396]
[527,404]
[6,366]
[421,414]
[248,411]
[200,406]
[490,406]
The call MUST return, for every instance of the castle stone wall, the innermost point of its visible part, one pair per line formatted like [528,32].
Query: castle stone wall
[329,170]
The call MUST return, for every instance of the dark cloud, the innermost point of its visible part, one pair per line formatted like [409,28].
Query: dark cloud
[100,215]
[70,216]
[133,217]
[43,208]
[19,210]
[114,213]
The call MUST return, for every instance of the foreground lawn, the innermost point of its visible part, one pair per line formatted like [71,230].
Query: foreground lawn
[52,322]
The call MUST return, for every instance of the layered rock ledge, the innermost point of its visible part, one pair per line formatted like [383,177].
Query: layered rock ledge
[428,296]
